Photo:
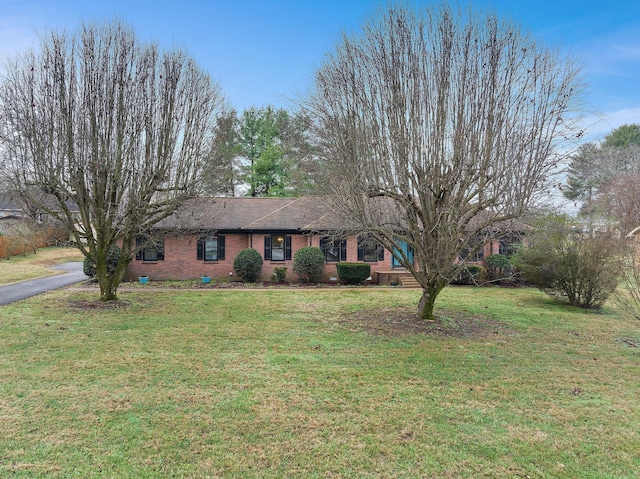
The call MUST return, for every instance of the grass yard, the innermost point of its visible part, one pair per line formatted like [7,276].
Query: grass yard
[340,383]
[20,268]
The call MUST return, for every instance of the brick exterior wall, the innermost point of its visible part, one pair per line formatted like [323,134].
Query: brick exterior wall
[181,261]
[180,258]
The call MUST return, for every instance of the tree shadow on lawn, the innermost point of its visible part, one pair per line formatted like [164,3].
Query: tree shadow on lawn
[404,320]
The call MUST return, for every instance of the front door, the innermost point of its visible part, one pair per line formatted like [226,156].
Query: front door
[406,249]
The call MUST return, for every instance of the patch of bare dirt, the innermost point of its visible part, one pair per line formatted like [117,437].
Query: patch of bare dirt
[92,305]
[398,321]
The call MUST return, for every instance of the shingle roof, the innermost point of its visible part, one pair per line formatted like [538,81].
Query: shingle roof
[248,214]
[13,201]
[10,207]
[9,202]
[306,213]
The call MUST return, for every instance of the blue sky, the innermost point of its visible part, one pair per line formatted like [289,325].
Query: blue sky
[265,52]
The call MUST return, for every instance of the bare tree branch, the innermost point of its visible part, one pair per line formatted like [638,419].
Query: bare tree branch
[111,126]
[436,125]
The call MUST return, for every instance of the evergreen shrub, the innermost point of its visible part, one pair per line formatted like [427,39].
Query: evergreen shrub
[473,274]
[113,256]
[308,263]
[280,274]
[498,267]
[248,265]
[353,273]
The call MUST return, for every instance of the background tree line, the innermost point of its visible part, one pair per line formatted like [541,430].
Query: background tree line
[604,178]
[263,152]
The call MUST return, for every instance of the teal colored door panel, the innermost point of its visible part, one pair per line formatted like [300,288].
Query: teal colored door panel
[406,249]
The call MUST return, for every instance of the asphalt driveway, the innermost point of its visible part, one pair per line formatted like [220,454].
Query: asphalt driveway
[72,273]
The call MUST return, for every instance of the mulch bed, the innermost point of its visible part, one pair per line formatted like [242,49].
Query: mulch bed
[96,304]
[197,284]
[399,321]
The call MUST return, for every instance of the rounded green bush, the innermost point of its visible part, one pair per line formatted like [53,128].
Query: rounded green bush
[113,256]
[498,267]
[280,274]
[308,263]
[248,265]
[472,275]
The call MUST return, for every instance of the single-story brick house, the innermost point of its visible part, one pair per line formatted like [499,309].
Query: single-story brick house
[206,234]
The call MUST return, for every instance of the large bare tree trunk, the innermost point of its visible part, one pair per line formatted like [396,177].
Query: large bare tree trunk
[107,135]
[108,287]
[428,301]
[437,127]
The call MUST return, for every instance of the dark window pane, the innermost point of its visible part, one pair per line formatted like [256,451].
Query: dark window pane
[369,250]
[150,253]
[331,249]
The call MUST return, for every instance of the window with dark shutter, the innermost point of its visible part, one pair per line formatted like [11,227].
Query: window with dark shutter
[200,249]
[211,248]
[139,252]
[267,248]
[159,244]
[287,248]
[277,247]
[220,248]
[334,250]
[324,242]
[153,250]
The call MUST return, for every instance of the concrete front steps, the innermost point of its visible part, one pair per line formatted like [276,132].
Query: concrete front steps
[409,281]
[396,277]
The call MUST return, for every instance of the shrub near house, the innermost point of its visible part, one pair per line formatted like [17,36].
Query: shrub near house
[565,263]
[353,273]
[308,263]
[247,265]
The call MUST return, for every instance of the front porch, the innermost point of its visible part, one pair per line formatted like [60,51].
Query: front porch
[396,277]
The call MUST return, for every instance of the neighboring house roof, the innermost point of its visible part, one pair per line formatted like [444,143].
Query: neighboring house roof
[14,206]
[10,207]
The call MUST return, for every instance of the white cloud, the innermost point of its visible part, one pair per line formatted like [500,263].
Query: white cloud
[599,127]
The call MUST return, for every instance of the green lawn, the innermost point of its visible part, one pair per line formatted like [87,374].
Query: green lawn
[29,266]
[298,383]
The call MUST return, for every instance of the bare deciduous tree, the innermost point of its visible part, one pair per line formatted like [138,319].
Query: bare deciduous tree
[627,296]
[620,199]
[606,182]
[436,125]
[113,126]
